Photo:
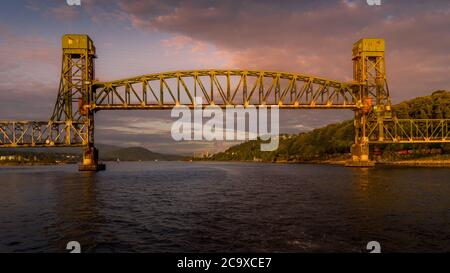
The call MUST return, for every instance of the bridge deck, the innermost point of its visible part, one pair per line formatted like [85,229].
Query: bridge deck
[15,134]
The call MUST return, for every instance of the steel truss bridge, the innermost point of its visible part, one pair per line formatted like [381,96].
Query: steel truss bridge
[80,97]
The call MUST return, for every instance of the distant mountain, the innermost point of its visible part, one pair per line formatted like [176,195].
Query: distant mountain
[106,148]
[135,154]
[334,141]
[60,150]
[106,152]
[47,150]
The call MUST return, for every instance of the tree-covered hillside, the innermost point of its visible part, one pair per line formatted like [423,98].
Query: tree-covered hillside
[335,140]
[435,106]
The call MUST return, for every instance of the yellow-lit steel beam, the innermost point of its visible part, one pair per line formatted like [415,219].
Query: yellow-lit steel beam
[224,88]
[409,131]
[14,134]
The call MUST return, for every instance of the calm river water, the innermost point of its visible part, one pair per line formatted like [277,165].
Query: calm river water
[224,207]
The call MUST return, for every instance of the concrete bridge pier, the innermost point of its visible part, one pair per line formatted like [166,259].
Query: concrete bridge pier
[360,156]
[90,161]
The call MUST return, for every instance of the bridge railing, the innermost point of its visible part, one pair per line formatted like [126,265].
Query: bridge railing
[222,88]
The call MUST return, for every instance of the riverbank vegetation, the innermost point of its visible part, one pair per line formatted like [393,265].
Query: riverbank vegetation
[333,142]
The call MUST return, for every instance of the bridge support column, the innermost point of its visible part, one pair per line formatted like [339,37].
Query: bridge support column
[90,161]
[360,156]
[90,153]
[360,150]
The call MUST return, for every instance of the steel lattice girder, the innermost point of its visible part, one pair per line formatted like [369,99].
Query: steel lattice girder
[42,134]
[76,72]
[410,131]
[222,88]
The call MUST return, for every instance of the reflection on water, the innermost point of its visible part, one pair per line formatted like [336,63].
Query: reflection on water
[227,207]
[76,210]
[361,177]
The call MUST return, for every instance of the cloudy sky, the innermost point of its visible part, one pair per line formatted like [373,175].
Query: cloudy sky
[139,37]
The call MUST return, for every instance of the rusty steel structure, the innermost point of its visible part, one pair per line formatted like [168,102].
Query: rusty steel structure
[80,97]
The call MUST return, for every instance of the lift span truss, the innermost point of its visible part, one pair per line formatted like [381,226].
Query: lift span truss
[15,134]
[410,131]
[74,134]
[224,87]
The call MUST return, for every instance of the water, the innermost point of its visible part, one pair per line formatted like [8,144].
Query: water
[224,207]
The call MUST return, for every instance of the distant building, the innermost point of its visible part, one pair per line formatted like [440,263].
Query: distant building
[11,158]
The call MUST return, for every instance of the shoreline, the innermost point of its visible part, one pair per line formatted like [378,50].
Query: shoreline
[399,163]
[416,163]
[34,164]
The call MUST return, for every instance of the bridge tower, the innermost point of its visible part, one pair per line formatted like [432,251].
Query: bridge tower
[74,96]
[369,71]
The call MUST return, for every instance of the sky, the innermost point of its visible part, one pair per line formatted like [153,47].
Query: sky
[140,37]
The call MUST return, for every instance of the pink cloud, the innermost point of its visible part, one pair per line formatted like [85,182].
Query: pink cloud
[16,48]
[28,62]
[64,12]
[177,43]
[312,37]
